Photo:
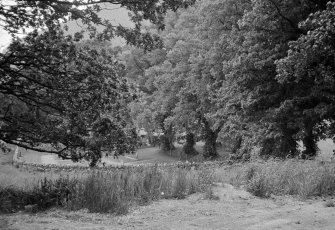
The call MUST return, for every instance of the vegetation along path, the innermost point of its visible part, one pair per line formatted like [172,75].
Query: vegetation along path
[234,209]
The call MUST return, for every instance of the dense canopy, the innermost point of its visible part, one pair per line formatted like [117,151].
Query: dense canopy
[246,73]
[250,73]
[62,94]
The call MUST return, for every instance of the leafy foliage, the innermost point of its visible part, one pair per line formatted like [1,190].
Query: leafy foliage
[23,15]
[65,96]
[259,73]
[309,71]
[72,97]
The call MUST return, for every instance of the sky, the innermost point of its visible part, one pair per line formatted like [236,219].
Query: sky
[114,13]
[4,38]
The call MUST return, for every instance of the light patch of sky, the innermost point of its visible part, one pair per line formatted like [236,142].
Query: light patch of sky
[110,12]
[5,38]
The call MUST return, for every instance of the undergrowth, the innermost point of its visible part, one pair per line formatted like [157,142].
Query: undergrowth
[291,177]
[112,191]
[116,191]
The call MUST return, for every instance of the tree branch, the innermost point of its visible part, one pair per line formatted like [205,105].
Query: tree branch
[292,24]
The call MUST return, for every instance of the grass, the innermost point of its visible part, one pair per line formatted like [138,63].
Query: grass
[291,177]
[329,203]
[114,191]
[118,190]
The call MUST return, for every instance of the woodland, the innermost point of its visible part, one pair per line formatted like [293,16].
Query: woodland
[243,73]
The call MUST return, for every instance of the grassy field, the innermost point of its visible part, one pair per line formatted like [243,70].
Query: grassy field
[116,191]
[113,191]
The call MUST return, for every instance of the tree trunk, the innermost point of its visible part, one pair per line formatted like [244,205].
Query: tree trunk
[237,144]
[210,144]
[287,146]
[309,141]
[236,149]
[167,139]
[188,147]
[282,146]
[210,137]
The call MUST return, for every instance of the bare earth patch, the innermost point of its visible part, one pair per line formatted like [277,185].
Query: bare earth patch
[236,209]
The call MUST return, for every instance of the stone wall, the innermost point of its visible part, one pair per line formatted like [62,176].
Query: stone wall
[69,168]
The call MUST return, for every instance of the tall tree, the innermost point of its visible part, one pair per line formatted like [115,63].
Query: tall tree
[265,30]
[309,72]
[65,95]
[72,96]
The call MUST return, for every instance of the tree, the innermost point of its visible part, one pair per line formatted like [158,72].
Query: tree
[308,71]
[236,69]
[61,92]
[216,21]
[23,15]
[72,97]
[182,81]
[263,35]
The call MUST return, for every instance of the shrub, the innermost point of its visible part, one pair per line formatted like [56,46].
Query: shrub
[257,185]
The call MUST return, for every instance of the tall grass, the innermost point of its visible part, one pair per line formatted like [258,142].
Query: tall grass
[117,190]
[290,177]
[112,191]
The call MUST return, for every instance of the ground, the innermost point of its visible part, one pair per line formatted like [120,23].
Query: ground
[235,209]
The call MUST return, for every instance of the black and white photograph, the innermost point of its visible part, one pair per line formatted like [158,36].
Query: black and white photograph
[167,114]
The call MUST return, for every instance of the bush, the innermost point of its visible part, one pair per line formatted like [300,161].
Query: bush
[257,185]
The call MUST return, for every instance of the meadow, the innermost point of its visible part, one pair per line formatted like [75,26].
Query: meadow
[117,190]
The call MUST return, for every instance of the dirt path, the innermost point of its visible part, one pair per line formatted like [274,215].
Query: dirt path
[236,209]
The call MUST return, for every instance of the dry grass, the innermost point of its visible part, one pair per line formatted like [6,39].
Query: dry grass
[117,190]
[112,191]
[290,177]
